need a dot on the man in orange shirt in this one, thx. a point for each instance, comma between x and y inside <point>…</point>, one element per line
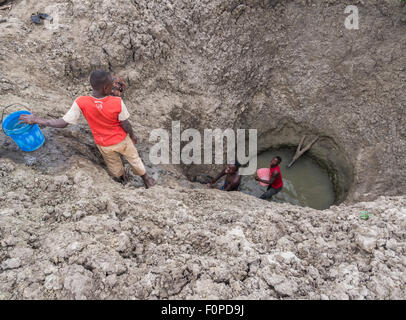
<point>107,117</point>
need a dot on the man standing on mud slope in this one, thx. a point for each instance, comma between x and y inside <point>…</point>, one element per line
<point>107,117</point>
<point>275,184</point>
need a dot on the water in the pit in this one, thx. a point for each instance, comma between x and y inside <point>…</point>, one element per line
<point>305,184</point>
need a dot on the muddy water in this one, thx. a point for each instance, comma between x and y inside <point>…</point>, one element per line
<point>305,183</point>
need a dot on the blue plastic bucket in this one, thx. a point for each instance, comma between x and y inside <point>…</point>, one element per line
<point>28,137</point>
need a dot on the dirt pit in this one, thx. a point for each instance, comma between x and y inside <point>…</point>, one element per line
<point>285,68</point>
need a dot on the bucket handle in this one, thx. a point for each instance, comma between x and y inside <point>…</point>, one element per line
<point>5,108</point>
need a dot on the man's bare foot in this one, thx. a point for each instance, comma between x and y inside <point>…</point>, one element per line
<point>148,181</point>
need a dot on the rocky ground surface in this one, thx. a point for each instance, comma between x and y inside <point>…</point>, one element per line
<point>286,68</point>
<point>77,235</point>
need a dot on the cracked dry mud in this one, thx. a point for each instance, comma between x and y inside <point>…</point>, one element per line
<point>86,238</point>
<point>286,68</point>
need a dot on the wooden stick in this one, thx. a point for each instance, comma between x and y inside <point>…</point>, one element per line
<point>300,151</point>
<point>300,144</point>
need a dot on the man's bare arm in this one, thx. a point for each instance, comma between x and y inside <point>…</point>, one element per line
<point>32,119</point>
<point>126,125</point>
<point>273,178</point>
<point>222,173</point>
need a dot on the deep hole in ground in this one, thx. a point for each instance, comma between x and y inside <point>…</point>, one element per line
<point>326,159</point>
<point>319,179</point>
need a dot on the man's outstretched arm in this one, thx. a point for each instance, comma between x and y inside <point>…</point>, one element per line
<point>71,117</point>
<point>222,173</point>
<point>32,119</point>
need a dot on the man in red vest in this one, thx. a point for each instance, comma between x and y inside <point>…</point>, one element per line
<point>107,117</point>
<point>275,184</point>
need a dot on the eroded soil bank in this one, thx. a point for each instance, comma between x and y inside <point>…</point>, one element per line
<point>285,68</point>
<point>77,235</point>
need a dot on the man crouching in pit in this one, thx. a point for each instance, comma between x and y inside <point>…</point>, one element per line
<point>233,179</point>
<point>107,117</point>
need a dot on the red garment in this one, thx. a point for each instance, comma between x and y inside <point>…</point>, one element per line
<point>278,183</point>
<point>102,117</point>
<point>119,86</point>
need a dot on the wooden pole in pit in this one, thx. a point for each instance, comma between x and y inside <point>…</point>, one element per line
<point>300,151</point>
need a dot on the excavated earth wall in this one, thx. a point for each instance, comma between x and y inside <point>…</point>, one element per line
<point>285,68</point>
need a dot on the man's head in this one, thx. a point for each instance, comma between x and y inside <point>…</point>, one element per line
<point>232,168</point>
<point>276,161</point>
<point>101,82</point>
